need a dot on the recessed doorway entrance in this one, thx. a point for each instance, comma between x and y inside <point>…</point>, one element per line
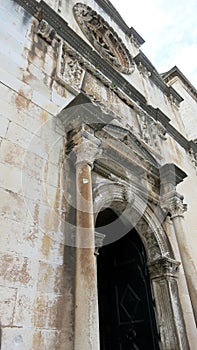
<point>126,310</point>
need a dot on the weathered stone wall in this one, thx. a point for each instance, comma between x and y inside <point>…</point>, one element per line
<point>36,268</point>
<point>187,108</point>
<point>35,287</point>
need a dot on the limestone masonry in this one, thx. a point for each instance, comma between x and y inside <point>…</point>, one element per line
<point>92,134</point>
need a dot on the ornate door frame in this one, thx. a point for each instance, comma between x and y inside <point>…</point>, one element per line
<point>162,266</point>
<point>114,169</point>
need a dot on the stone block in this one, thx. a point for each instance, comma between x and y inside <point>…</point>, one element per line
<point>19,135</point>
<point>6,94</point>
<point>17,271</point>
<point>23,308</point>
<point>17,338</point>
<point>16,156</point>
<point>18,86</point>
<point>46,339</point>
<point>32,188</point>
<point>4,122</point>
<point>44,102</point>
<point>7,305</point>
<point>51,251</point>
<point>49,64</point>
<point>45,311</point>
<point>31,142</point>
<point>47,219</point>
<point>50,278</point>
<point>20,238</point>
<point>12,154</point>
<point>12,206</point>
<point>11,178</point>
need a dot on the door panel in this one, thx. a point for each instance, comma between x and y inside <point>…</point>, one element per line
<point>126,312</point>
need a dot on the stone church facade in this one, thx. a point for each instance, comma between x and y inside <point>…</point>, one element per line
<point>98,158</point>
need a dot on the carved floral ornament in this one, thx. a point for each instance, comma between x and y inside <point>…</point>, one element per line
<point>103,38</point>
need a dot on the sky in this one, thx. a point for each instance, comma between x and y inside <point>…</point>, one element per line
<point>169,28</point>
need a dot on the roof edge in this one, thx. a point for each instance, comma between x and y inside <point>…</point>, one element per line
<point>176,72</point>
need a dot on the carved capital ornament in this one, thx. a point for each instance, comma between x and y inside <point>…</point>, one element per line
<point>86,152</point>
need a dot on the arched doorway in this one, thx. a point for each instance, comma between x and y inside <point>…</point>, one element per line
<point>126,312</point>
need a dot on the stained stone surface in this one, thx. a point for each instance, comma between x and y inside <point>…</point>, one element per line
<point>40,74</point>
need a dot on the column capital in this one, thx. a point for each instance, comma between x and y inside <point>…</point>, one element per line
<point>86,151</point>
<point>82,146</point>
<point>177,207</point>
<point>163,266</point>
<point>173,203</point>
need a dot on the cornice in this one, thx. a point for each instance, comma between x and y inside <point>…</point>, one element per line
<point>141,59</point>
<point>175,72</point>
<point>42,11</point>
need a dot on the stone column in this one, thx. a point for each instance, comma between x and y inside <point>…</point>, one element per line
<point>177,209</point>
<point>86,331</point>
<point>171,326</point>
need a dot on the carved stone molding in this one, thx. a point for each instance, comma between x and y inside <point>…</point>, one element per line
<point>152,245</point>
<point>103,38</point>
<point>129,195</point>
<point>162,267</point>
<point>46,31</point>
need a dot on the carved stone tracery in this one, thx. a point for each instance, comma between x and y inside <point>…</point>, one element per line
<point>103,38</point>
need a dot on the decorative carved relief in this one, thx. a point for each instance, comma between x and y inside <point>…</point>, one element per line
<point>103,38</point>
<point>150,130</point>
<point>152,245</point>
<point>69,70</point>
<point>73,79</point>
<point>46,31</point>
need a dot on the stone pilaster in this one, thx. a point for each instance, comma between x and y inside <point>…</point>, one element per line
<point>86,333</point>
<point>176,210</point>
<point>170,321</point>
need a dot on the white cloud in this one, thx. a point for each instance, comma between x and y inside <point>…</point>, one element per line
<point>169,29</point>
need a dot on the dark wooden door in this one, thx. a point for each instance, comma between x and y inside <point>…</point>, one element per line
<point>126,312</point>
